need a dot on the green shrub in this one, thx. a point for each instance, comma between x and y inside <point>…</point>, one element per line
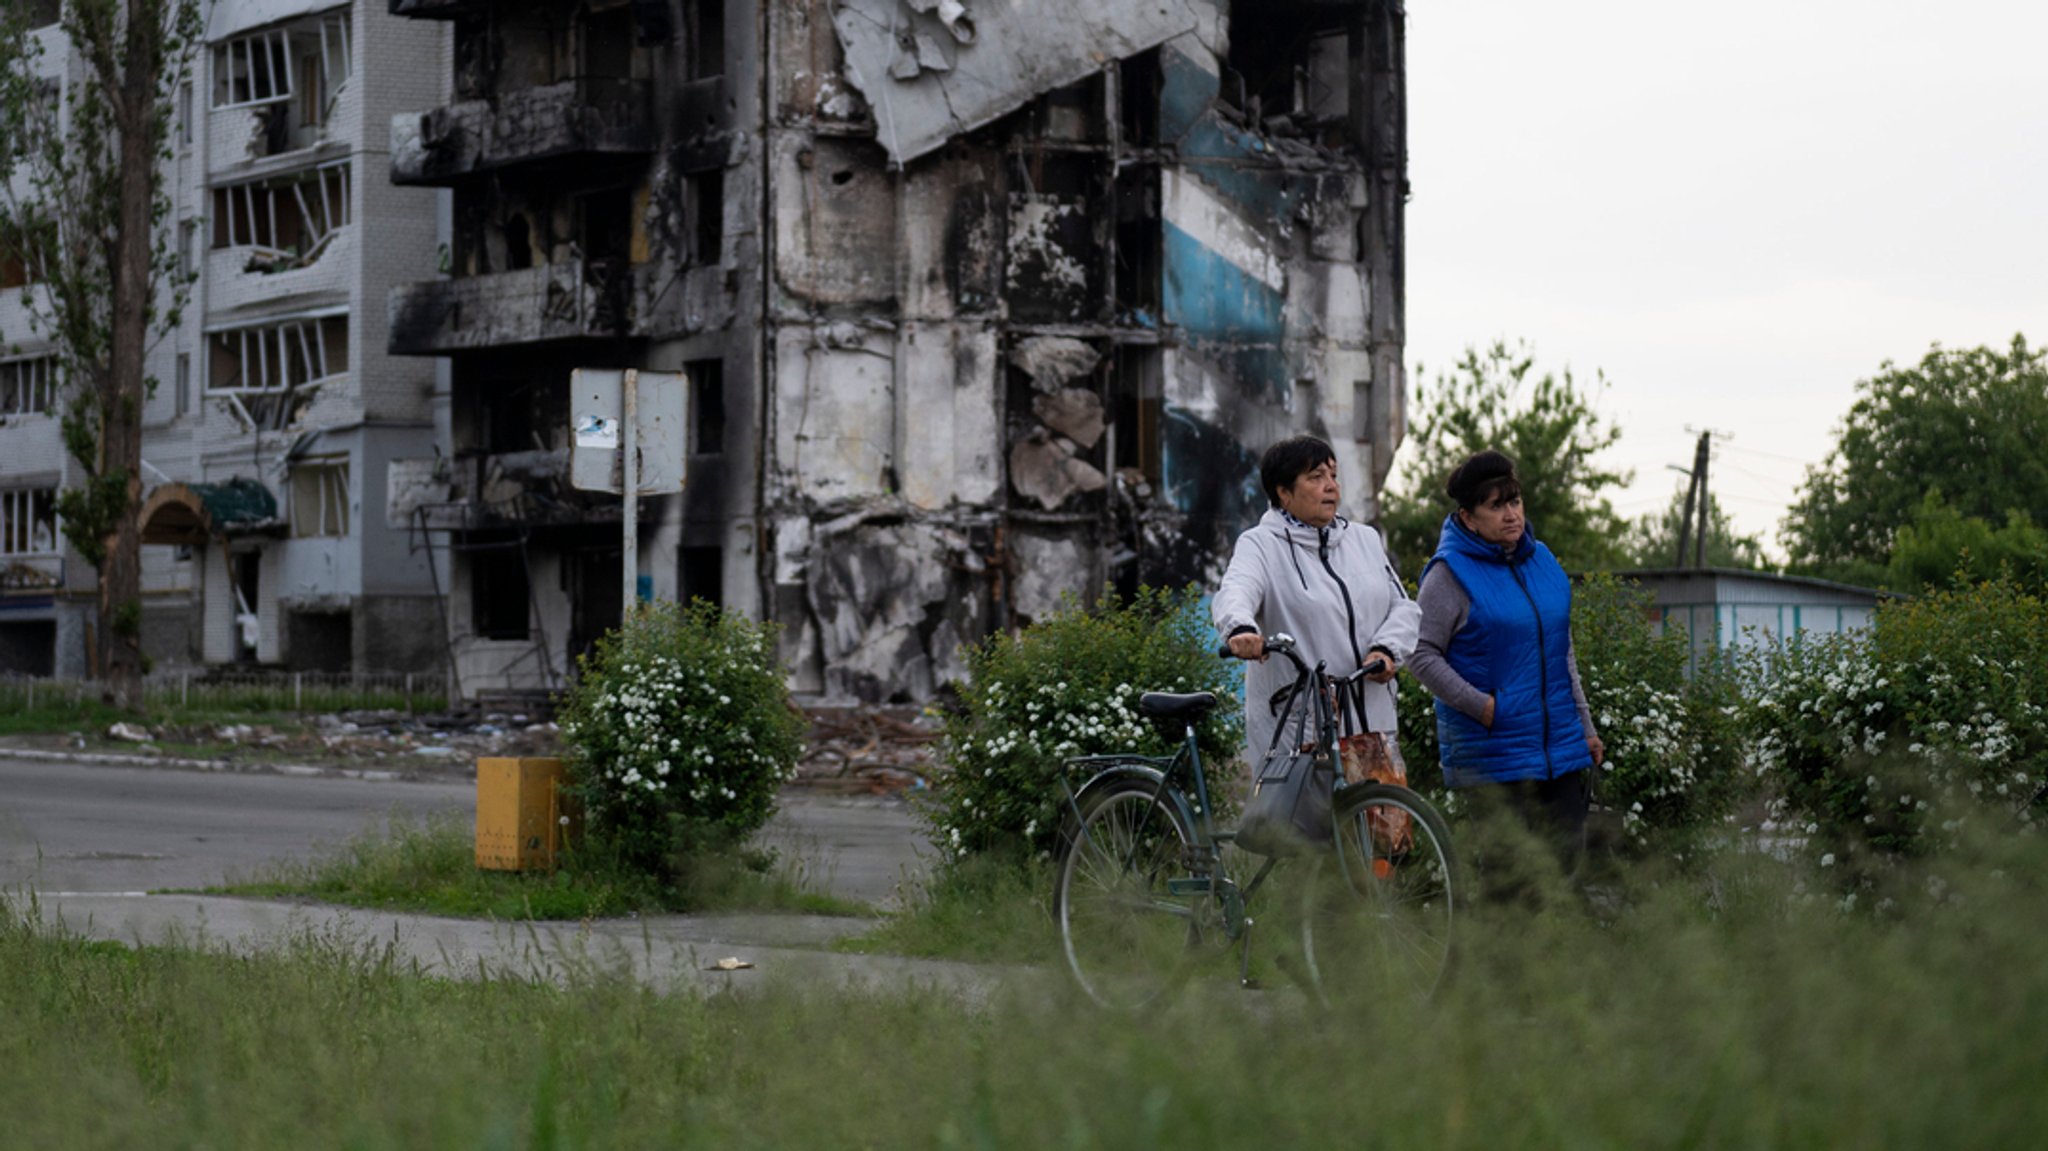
<point>679,731</point>
<point>1067,686</point>
<point>1673,757</point>
<point>1891,742</point>
<point>1673,763</point>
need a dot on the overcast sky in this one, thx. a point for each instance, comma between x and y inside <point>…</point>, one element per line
<point>1736,211</point>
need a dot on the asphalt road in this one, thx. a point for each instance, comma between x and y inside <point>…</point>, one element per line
<point>78,827</point>
<point>90,839</point>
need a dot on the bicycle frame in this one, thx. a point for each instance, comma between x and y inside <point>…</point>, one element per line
<point>1177,806</point>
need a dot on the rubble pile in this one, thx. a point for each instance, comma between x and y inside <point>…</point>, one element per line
<point>886,751</point>
<point>869,750</point>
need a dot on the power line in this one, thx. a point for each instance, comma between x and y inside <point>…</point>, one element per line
<point>1772,455</point>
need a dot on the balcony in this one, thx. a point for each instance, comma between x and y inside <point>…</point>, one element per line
<point>436,9</point>
<point>483,493</point>
<point>571,119</point>
<point>576,299</point>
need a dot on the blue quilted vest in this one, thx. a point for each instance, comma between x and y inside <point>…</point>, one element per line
<point>1514,646</point>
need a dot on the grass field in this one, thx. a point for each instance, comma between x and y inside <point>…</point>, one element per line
<point>429,866</point>
<point>1723,1008</point>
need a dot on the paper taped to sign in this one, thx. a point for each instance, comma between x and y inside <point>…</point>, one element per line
<point>597,433</point>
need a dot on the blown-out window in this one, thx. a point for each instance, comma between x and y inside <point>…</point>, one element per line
<point>28,522</point>
<point>28,386</point>
<point>320,498</point>
<point>311,57</point>
<point>274,357</point>
<point>296,213</point>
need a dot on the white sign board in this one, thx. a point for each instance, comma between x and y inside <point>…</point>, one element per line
<point>660,430</point>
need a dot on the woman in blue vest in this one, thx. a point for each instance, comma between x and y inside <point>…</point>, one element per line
<point>1495,648</point>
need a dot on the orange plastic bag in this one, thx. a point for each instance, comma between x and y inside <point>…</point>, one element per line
<point>1363,756</point>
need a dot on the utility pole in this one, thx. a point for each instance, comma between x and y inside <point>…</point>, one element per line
<point>1696,496</point>
<point>1692,491</point>
<point>1699,539</point>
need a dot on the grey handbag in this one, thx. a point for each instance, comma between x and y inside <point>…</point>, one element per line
<point>1289,812</point>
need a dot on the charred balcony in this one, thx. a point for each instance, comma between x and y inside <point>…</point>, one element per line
<point>487,492</point>
<point>569,121</point>
<point>435,9</point>
<point>567,300</point>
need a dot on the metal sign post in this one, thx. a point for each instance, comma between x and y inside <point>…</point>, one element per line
<point>629,487</point>
<point>628,437</point>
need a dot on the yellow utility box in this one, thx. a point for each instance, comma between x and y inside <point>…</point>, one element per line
<point>519,813</point>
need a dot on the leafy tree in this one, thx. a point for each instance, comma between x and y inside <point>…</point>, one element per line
<point>1547,425</point>
<point>1941,548</point>
<point>1653,539</point>
<point>1972,422</point>
<point>84,208</point>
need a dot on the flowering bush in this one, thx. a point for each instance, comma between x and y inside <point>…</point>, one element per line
<point>680,732</point>
<point>1067,686</point>
<point>1671,742</point>
<point>1893,741</point>
<point>1673,746</point>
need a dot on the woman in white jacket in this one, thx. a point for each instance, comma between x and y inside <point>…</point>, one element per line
<point>1311,573</point>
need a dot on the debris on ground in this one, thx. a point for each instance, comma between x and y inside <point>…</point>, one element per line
<point>853,750</point>
<point>869,750</point>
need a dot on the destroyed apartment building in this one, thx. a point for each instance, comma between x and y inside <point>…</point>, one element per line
<point>276,407</point>
<point>980,304</point>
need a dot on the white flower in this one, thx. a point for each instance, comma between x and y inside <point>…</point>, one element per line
<point>1828,860</point>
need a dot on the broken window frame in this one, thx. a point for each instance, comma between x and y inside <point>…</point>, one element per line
<point>320,497</point>
<point>276,54</point>
<point>235,60</point>
<point>28,522</point>
<point>238,221</point>
<point>273,347</point>
<point>30,386</point>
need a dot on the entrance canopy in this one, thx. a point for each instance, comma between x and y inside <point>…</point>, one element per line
<point>203,513</point>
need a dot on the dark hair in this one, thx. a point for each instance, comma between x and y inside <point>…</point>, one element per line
<point>1288,461</point>
<point>1481,477</point>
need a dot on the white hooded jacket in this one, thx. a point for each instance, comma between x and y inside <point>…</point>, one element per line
<point>1334,590</point>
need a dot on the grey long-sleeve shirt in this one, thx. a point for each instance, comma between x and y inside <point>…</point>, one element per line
<point>1445,608</point>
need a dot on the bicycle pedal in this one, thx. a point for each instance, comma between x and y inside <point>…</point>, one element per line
<point>1191,885</point>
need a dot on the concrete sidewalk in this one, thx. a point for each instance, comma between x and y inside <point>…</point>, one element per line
<point>669,952</point>
<point>86,836</point>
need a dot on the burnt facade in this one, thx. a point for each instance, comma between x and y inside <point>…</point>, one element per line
<point>980,307</point>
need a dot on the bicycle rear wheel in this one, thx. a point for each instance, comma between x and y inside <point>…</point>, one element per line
<point>1125,931</point>
<point>1378,909</point>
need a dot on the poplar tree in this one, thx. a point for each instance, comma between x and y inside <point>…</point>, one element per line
<point>86,124</point>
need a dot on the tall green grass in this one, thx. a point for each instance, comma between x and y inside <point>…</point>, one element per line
<point>429,865</point>
<point>1722,1008</point>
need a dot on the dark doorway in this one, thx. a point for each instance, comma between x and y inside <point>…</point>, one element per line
<point>29,647</point>
<point>500,596</point>
<point>701,571</point>
<point>595,598</point>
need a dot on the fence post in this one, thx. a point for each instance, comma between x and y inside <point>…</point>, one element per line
<point>297,692</point>
<point>408,693</point>
<point>31,693</point>
<point>184,689</point>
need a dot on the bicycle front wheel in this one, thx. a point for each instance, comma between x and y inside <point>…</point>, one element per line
<point>1378,909</point>
<point>1125,928</point>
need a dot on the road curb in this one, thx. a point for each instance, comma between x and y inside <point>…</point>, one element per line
<point>298,770</point>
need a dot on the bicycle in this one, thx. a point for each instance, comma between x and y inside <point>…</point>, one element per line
<point>1142,889</point>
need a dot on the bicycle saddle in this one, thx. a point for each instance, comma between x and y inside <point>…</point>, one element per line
<point>1169,705</point>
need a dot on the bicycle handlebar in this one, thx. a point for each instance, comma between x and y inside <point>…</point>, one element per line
<point>1284,644</point>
